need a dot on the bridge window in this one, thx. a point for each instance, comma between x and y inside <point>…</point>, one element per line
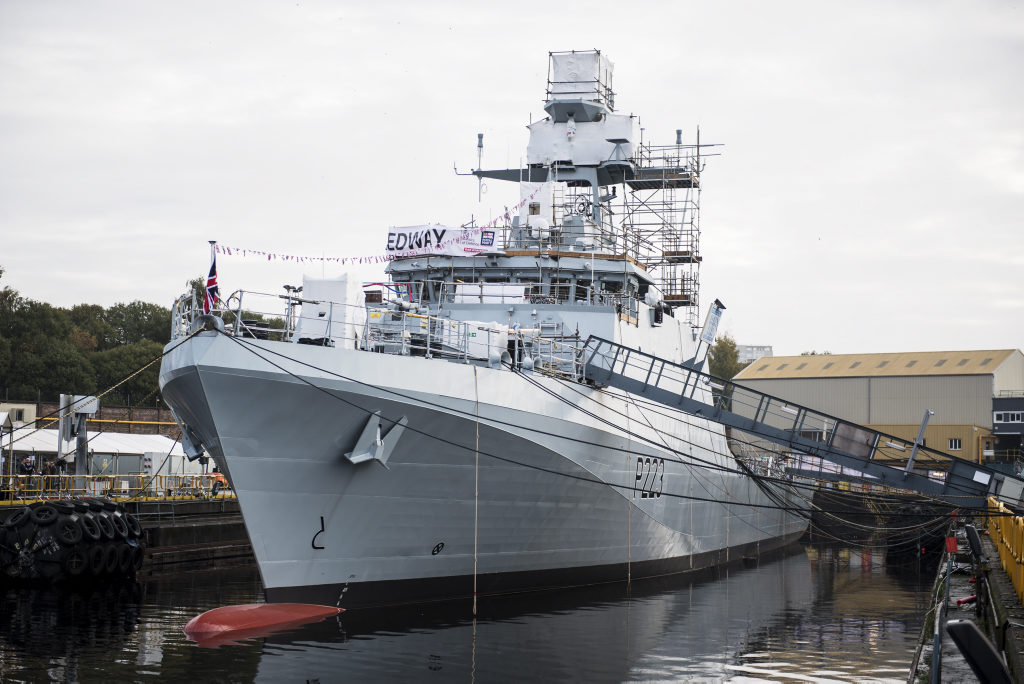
<point>955,444</point>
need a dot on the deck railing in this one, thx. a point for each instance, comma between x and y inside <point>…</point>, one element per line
<point>1007,533</point>
<point>16,490</point>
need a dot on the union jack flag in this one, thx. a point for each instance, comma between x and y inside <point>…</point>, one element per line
<point>212,290</point>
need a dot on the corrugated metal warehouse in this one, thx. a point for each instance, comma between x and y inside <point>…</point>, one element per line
<point>891,392</point>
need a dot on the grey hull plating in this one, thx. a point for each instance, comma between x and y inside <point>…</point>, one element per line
<point>400,592</point>
<point>547,495</point>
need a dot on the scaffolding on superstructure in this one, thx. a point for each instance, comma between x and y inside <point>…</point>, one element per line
<point>662,221</point>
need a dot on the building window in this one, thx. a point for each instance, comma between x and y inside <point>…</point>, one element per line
<point>955,444</point>
<point>855,364</point>
<point>882,365</point>
<point>940,362</point>
<point>985,362</point>
<point>911,363</point>
<point>828,365</point>
<point>1008,417</point>
<point>762,367</point>
<point>781,366</point>
<point>963,362</point>
<point>802,366</point>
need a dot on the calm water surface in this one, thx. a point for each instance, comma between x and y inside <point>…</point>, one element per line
<point>822,614</point>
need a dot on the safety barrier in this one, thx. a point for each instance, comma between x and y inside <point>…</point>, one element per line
<point>1007,533</point>
<point>19,489</point>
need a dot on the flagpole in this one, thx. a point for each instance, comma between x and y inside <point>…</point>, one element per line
<point>210,301</point>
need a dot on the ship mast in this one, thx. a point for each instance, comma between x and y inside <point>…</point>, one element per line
<point>611,192</point>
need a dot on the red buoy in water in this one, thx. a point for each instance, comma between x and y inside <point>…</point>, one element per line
<point>229,624</point>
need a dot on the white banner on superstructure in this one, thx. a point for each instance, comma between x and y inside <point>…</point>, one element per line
<point>415,240</point>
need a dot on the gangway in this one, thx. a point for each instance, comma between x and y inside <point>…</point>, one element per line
<point>871,455</point>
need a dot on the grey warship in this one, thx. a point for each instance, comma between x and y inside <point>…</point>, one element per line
<point>436,437</point>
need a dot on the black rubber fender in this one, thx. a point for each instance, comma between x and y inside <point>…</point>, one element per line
<point>110,558</point>
<point>120,526</point>
<point>134,527</point>
<point>138,556</point>
<point>90,528</point>
<point>106,527</point>
<point>44,515</point>
<point>68,530</point>
<point>96,557</point>
<point>76,563</point>
<point>19,518</point>
<point>124,559</point>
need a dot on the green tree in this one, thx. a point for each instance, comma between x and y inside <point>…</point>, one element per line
<point>45,366</point>
<point>90,322</point>
<point>137,321</point>
<point>114,365</point>
<point>724,358</point>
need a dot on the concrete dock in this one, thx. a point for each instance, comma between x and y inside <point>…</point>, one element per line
<point>193,535</point>
<point>996,610</point>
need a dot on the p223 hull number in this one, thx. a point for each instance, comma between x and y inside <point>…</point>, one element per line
<point>650,477</point>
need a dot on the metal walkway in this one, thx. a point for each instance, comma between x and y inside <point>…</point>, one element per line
<point>863,454</point>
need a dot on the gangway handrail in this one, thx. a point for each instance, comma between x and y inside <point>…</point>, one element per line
<point>866,451</point>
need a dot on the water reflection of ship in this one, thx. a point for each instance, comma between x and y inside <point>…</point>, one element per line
<point>599,633</point>
<point>872,606</point>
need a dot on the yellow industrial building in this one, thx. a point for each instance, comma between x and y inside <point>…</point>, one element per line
<point>977,397</point>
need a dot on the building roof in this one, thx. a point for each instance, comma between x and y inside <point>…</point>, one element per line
<point>981,362</point>
<point>45,442</point>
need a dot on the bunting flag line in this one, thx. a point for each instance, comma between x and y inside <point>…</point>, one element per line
<point>464,236</point>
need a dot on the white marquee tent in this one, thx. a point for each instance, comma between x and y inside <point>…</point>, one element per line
<point>111,452</point>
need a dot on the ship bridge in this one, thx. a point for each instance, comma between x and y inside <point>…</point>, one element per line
<point>862,454</point>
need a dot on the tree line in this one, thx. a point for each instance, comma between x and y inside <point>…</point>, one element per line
<point>47,350</point>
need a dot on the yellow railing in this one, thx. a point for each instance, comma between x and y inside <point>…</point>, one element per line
<point>20,489</point>
<point>1007,533</point>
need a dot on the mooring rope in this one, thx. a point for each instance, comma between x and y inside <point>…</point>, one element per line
<point>476,484</point>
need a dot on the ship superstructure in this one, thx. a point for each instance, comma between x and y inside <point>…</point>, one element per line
<point>441,438</point>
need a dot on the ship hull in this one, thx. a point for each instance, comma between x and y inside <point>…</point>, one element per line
<point>517,480</point>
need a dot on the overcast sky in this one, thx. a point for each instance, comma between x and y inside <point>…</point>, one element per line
<point>869,195</point>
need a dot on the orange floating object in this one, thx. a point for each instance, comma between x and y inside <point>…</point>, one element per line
<point>230,624</point>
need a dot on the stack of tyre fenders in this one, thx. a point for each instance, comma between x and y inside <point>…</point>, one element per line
<point>70,540</point>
